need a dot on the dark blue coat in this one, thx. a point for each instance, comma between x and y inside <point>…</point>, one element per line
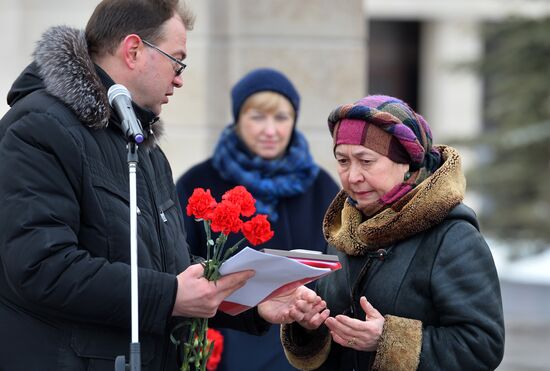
<point>299,226</point>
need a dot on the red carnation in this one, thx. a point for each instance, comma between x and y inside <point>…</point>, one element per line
<point>201,204</point>
<point>240,196</point>
<point>216,338</point>
<point>257,230</point>
<point>225,218</point>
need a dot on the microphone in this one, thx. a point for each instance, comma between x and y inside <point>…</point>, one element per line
<point>121,101</point>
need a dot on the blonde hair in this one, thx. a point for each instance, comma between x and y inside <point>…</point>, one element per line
<point>265,101</point>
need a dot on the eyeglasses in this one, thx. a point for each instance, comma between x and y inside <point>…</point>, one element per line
<point>181,65</point>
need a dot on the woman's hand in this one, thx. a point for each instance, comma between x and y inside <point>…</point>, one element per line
<point>353,333</point>
<point>311,311</point>
<point>302,305</point>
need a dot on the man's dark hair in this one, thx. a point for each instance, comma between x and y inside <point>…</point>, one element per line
<point>112,20</point>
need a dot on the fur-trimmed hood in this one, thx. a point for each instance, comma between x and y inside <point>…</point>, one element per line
<point>425,206</point>
<point>63,66</point>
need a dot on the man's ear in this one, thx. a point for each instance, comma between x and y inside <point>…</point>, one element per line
<point>131,49</point>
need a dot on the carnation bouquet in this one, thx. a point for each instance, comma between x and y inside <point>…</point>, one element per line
<point>223,217</point>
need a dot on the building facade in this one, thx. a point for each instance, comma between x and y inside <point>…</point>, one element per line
<point>334,52</point>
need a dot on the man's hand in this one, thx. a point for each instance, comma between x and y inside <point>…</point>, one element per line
<point>198,297</point>
<point>302,305</point>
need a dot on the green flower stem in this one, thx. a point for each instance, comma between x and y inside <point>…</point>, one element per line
<point>231,250</point>
<point>206,224</point>
<point>220,242</point>
<point>203,346</point>
<point>198,348</point>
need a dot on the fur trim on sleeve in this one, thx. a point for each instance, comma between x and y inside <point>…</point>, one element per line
<point>305,350</point>
<point>399,346</point>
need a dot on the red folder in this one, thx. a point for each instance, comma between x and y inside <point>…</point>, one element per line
<point>309,258</point>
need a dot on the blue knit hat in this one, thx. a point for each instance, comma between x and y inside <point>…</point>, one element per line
<point>263,79</point>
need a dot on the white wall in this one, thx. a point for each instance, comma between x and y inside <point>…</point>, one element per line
<point>455,9</point>
<point>21,24</point>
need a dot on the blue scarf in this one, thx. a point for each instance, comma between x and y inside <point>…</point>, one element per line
<point>267,180</point>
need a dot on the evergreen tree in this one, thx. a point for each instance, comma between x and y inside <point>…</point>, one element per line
<point>513,173</point>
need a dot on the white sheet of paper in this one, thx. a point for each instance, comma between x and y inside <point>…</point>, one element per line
<point>272,272</point>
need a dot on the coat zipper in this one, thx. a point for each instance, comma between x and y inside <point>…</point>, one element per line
<point>355,287</point>
<point>157,222</point>
<point>161,245</point>
<point>380,254</point>
<point>353,293</point>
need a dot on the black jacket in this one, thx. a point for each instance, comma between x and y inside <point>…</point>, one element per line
<point>434,281</point>
<point>64,236</point>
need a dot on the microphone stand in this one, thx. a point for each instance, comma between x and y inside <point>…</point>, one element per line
<point>135,349</point>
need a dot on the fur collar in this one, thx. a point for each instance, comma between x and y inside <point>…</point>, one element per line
<point>69,74</point>
<point>425,206</point>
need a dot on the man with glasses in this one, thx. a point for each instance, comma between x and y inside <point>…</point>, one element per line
<point>64,235</point>
<point>179,67</point>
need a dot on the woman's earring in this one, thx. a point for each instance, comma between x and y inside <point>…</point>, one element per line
<point>407,175</point>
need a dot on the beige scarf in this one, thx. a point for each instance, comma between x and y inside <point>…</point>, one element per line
<point>348,230</point>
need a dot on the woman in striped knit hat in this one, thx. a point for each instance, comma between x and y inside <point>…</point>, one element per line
<point>418,289</point>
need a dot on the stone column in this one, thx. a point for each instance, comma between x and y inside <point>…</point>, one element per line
<point>451,93</point>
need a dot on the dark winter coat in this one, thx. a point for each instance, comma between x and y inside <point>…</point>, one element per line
<point>298,227</point>
<point>64,235</point>
<point>435,282</point>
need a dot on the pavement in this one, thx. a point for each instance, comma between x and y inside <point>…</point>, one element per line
<point>527,320</point>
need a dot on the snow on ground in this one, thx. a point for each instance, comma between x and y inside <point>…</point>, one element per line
<point>534,268</point>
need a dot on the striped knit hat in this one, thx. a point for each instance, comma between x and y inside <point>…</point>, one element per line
<point>388,126</point>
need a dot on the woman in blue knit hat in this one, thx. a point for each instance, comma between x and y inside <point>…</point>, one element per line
<point>262,150</point>
<point>418,289</point>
